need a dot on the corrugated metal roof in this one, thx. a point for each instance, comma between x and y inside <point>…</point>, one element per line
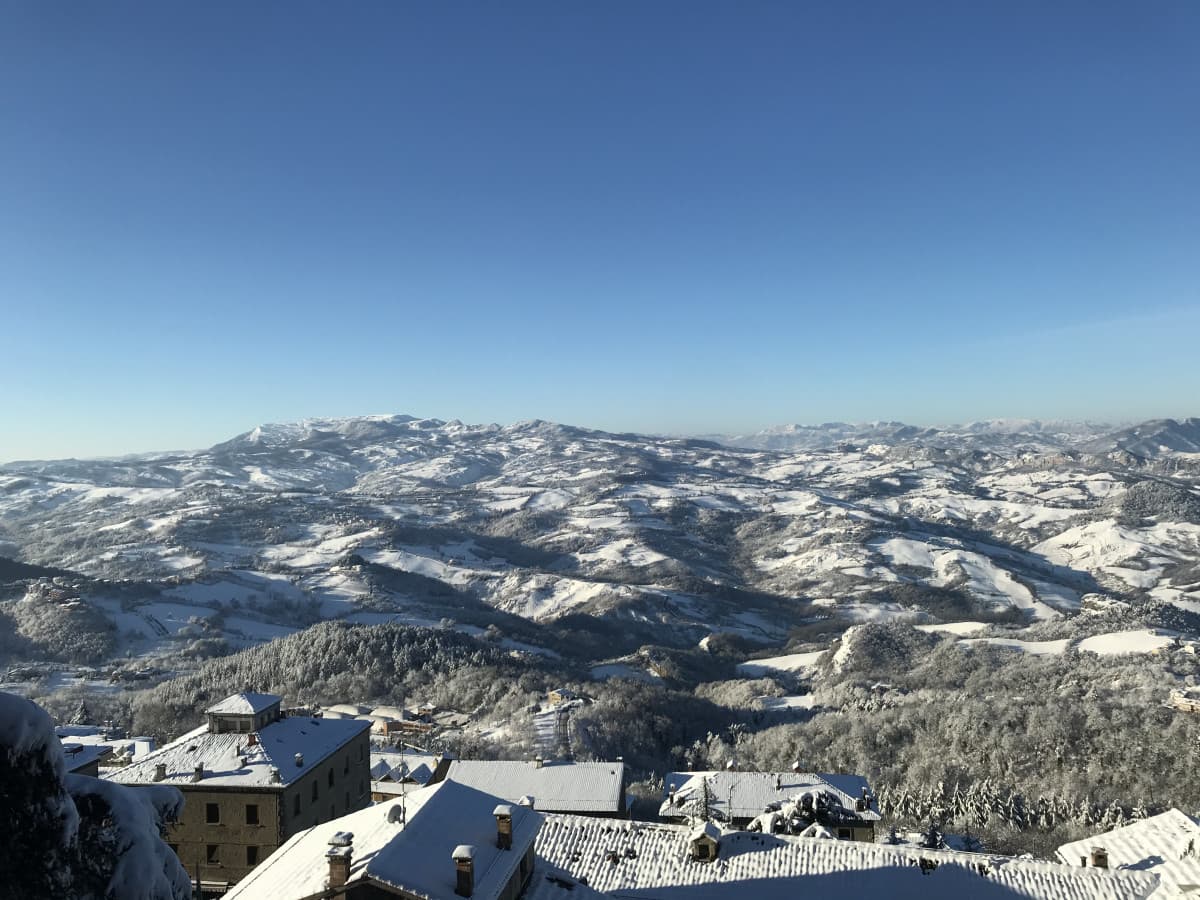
<point>650,862</point>
<point>555,787</point>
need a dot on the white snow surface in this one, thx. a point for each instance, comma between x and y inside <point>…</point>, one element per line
<point>404,844</point>
<point>775,867</point>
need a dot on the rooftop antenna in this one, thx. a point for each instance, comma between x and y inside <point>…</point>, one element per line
<point>403,793</point>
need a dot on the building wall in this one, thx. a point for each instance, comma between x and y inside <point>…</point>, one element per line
<point>342,785</point>
<point>193,835</point>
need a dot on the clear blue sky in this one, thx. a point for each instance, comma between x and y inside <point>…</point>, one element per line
<point>658,216</point>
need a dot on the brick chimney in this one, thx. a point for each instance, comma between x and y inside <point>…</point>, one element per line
<point>160,772</point>
<point>252,739</point>
<point>198,774</point>
<point>503,814</point>
<point>339,854</point>
<point>464,868</point>
<point>1099,858</point>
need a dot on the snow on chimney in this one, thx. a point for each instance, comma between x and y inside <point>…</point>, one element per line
<point>464,868</point>
<point>537,761</point>
<point>1099,858</point>
<point>300,759</point>
<point>198,774</point>
<point>276,778</point>
<point>160,772</point>
<point>339,854</point>
<point>503,814</point>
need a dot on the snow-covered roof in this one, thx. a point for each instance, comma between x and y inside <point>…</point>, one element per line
<point>277,746</point>
<point>244,704</point>
<point>1167,845</point>
<point>419,767</point>
<point>412,853</point>
<point>745,795</point>
<point>555,786</point>
<point>80,756</point>
<point>652,861</point>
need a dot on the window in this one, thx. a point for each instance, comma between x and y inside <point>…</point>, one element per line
<point>347,799</point>
<point>845,834</point>
<point>314,791</point>
<point>332,813</point>
<point>346,766</point>
<point>701,851</point>
<point>251,813</point>
<point>296,805</point>
<point>252,856</point>
<point>331,776</point>
<point>212,813</point>
<point>362,787</point>
<point>360,752</point>
<point>213,854</point>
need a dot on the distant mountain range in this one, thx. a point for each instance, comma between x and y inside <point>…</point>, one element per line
<point>583,543</point>
<point>1148,440</point>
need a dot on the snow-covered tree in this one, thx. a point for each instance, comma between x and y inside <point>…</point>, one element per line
<point>75,837</point>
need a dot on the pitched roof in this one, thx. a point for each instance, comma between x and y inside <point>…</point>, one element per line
<point>746,795</point>
<point>411,853</point>
<point>277,746</point>
<point>647,862</point>
<point>244,704</point>
<point>417,767</point>
<point>79,756</point>
<point>555,786</point>
<point>1167,845</point>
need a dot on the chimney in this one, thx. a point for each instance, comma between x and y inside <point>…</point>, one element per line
<point>300,759</point>
<point>796,766</point>
<point>276,778</point>
<point>464,867</point>
<point>503,814</point>
<point>198,775</point>
<point>252,739</point>
<point>339,854</point>
<point>863,803</point>
<point>537,761</point>
<point>1099,858</point>
<point>160,772</point>
<point>527,800</point>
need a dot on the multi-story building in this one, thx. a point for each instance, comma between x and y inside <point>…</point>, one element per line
<point>252,777</point>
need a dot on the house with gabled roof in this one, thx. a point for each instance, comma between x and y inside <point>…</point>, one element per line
<point>1166,845</point>
<point>774,802</point>
<point>251,777</point>
<point>443,842</point>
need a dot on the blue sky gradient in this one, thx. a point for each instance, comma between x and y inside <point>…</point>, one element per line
<point>668,216</point>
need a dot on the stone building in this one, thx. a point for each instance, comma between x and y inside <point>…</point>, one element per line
<point>252,777</point>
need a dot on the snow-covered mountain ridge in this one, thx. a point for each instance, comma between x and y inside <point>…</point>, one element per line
<point>667,540</point>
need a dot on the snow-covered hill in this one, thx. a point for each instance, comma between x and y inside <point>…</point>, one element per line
<point>649,539</point>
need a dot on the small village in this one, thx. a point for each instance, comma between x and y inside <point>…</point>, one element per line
<point>298,803</point>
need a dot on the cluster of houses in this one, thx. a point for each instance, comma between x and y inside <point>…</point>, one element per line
<point>398,722</point>
<point>292,805</point>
